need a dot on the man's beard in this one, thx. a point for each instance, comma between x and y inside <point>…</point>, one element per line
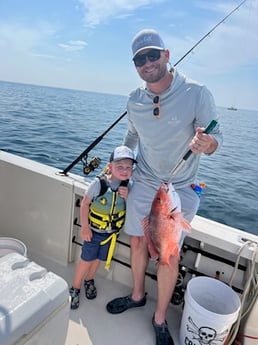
<point>155,77</point>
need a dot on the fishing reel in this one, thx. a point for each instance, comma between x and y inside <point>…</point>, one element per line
<point>92,165</point>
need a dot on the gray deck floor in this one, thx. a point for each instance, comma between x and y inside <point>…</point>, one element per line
<point>132,327</point>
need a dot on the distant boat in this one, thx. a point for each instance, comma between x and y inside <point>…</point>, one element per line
<point>232,108</point>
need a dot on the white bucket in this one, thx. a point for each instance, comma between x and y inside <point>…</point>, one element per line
<point>211,308</point>
<point>10,245</point>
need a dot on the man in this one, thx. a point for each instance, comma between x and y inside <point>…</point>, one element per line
<point>166,117</point>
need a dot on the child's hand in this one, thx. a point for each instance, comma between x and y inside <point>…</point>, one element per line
<point>123,192</point>
<point>86,233</point>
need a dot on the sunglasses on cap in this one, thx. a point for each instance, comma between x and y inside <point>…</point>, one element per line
<point>152,55</point>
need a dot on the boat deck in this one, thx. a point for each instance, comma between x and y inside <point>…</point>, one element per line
<point>91,324</point>
<point>131,327</point>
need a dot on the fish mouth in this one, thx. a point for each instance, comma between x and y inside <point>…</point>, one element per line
<point>165,187</point>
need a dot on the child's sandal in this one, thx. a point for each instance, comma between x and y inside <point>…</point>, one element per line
<point>90,289</point>
<point>75,297</point>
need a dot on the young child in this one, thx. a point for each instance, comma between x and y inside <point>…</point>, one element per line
<point>102,214</point>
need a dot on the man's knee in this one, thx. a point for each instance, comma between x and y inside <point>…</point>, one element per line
<point>138,242</point>
<point>174,261</point>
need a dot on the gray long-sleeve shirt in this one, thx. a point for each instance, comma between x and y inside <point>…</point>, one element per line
<point>162,142</point>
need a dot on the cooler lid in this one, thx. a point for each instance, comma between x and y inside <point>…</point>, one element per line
<point>28,296</point>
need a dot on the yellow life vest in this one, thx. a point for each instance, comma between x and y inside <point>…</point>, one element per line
<point>107,211</point>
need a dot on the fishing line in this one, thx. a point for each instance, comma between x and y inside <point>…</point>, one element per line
<point>83,156</point>
<point>208,33</point>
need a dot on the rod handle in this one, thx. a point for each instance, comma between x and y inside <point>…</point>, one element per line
<point>207,130</point>
<point>210,126</point>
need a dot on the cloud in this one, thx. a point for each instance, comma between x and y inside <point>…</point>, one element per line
<point>45,56</point>
<point>96,12</point>
<point>16,38</point>
<point>73,45</point>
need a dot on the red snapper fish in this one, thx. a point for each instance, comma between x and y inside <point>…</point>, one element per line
<point>163,227</point>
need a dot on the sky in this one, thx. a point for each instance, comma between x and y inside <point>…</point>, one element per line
<point>86,44</point>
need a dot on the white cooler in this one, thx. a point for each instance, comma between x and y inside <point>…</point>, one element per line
<point>34,303</point>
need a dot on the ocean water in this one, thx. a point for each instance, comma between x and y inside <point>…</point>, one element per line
<point>54,126</point>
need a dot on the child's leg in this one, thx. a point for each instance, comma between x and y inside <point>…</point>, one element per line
<point>81,269</point>
<point>93,267</point>
<point>90,288</point>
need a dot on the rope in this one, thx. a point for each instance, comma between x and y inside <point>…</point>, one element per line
<point>250,290</point>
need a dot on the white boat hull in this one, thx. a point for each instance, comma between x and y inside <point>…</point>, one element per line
<point>40,207</point>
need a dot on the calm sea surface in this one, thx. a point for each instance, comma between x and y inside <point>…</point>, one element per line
<point>54,126</point>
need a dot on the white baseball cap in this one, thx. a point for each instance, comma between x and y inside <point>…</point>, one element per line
<point>122,152</point>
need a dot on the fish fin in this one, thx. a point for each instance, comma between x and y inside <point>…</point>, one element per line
<point>177,252</point>
<point>185,225</point>
<point>152,250</point>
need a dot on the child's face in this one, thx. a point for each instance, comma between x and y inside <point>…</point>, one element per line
<point>122,170</point>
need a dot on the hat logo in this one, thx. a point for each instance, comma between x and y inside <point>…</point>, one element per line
<point>145,39</point>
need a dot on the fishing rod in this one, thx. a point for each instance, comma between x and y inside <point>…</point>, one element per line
<point>208,33</point>
<point>95,162</point>
<point>207,130</point>
<point>89,148</point>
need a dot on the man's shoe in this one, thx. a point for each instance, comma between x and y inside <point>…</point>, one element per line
<point>163,336</point>
<point>121,304</point>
